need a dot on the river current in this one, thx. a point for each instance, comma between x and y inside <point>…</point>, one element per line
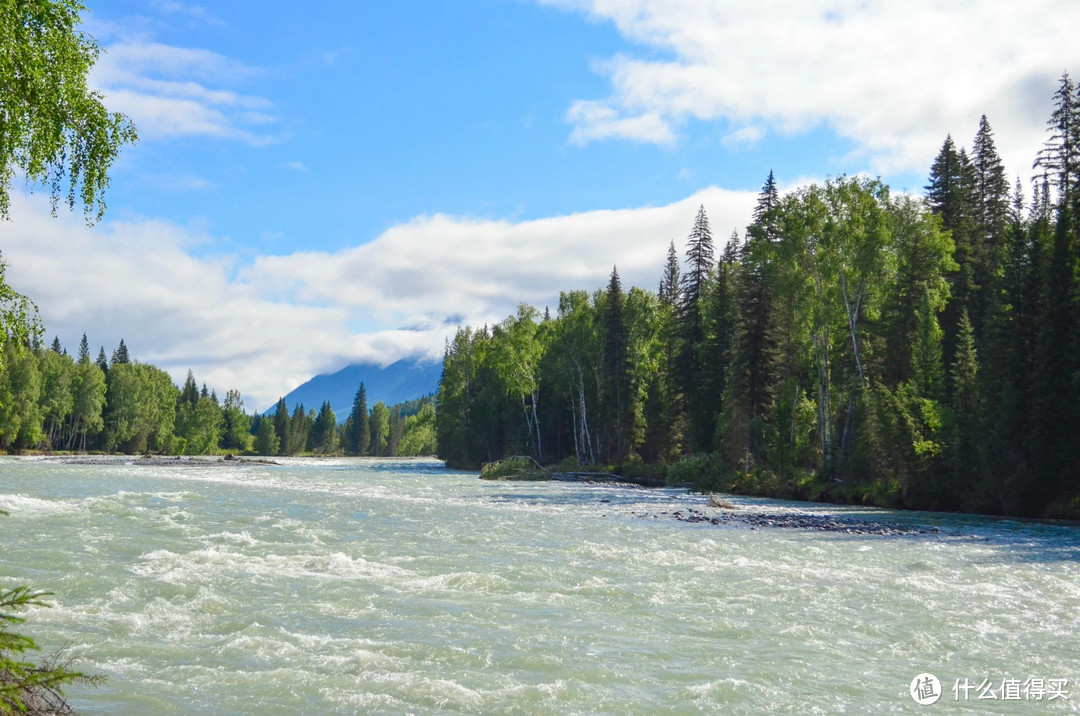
<point>397,586</point>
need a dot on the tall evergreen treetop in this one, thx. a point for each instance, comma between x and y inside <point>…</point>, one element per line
<point>699,259</point>
<point>84,350</point>
<point>764,225</point>
<point>120,355</point>
<point>102,361</point>
<point>669,282</point>
<point>1060,157</point>
<point>359,431</point>
<point>945,192</point>
<point>991,184</point>
<point>189,394</point>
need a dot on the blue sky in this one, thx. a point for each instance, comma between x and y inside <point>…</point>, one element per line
<point>322,183</point>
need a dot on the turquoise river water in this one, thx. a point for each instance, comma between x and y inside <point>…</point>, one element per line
<point>397,586</point>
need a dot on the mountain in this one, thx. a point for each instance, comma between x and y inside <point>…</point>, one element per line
<point>407,379</point>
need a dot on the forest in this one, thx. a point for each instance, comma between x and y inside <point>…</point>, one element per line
<point>51,401</point>
<point>855,344</point>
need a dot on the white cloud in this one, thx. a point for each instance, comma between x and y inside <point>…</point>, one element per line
<point>175,92</point>
<point>596,120</point>
<point>296,166</point>
<point>267,325</point>
<point>892,77</point>
<point>743,138</point>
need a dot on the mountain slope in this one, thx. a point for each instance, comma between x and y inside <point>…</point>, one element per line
<point>406,379</point>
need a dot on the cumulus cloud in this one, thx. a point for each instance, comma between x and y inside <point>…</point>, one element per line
<point>176,92</point>
<point>266,325</point>
<point>892,77</point>
<point>438,266</point>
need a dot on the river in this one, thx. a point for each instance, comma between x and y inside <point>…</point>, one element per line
<point>394,586</point>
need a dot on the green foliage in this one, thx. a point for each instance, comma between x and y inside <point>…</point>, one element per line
<point>55,130</point>
<point>266,440</point>
<point>236,424</point>
<point>20,389</point>
<point>518,467</point>
<point>419,437</point>
<point>858,346</point>
<point>703,472</point>
<point>324,433</point>
<point>380,429</point>
<point>141,409</point>
<point>357,430</point>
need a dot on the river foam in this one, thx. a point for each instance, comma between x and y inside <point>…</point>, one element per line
<point>343,586</point>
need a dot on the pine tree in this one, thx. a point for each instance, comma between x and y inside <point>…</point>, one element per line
<point>966,400</point>
<point>1060,157</point>
<point>266,439</point>
<point>282,424</point>
<point>120,355</point>
<point>619,408</point>
<point>189,394</point>
<point>688,369</point>
<point>950,197</point>
<point>754,346</point>
<point>1054,399</point>
<point>102,361</point>
<point>721,313</point>
<point>324,431</point>
<point>84,350</point>
<point>991,209</point>
<point>926,366</point>
<point>699,261</point>
<point>358,436</point>
<point>669,282</point>
<point>56,348</point>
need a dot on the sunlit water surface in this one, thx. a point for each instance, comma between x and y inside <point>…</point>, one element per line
<point>345,586</point>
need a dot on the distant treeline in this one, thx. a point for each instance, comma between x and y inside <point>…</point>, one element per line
<point>52,401</point>
<point>854,345</point>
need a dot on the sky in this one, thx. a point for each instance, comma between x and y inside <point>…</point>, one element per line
<point>320,184</point>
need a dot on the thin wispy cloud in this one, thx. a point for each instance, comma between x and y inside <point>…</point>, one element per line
<point>197,14</point>
<point>178,92</point>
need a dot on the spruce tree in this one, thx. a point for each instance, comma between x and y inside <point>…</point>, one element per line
<point>619,408</point>
<point>950,197</point>
<point>56,348</point>
<point>926,366</point>
<point>687,373</point>
<point>358,426</point>
<point>754,345</point>
<point>281,426</point>
<point>1060,157</point>
<point>120,355</point>
<point>189,394</point>
<point>699,261</point>
<point>991,210</point>
<point>324,430</point>
<point>266,439</point>
<point>966,400</point>
<point>84,350</point>
<point>102,361</point>
<point>669,282</point>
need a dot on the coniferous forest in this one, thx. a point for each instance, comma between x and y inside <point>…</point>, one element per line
<point>855,344</point>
